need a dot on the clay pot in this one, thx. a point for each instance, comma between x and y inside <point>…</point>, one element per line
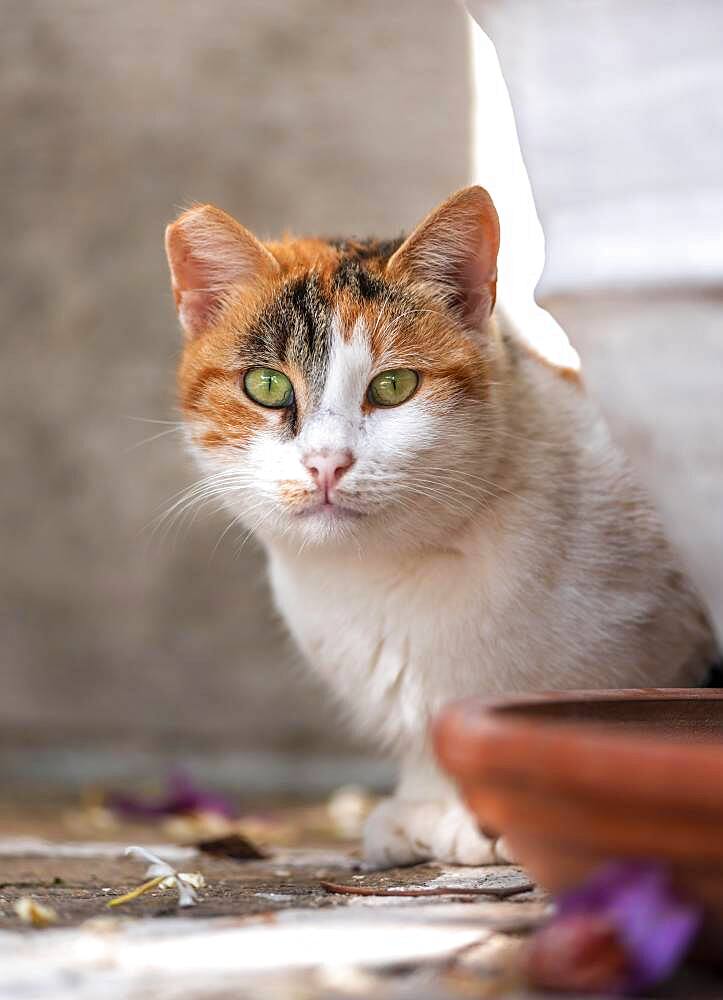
<point>575,779</point>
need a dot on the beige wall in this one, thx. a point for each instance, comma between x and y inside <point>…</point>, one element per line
<point>334,117</point>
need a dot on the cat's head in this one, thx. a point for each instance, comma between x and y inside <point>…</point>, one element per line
<point>337,389</point>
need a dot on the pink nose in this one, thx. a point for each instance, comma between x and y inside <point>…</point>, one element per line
<point>327,468</point>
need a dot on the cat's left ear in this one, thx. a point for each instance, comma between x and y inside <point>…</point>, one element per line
<point>454,250</point>
<point>210,254</point>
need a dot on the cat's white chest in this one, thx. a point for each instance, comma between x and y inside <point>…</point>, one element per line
<point>379,636</point>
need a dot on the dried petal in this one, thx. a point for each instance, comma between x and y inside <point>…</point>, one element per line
<point>187,895</point>
<point>625,909</point>
<point>183,797</point>
<point>157,865</point>
<point>164,877</point>
<point>194,879</point>
<point>32,912</point>
<point>655,927</point>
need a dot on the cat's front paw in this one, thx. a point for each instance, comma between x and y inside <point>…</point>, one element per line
<point>399,832</point>
<point>458,840</point>
<point>405,831</point>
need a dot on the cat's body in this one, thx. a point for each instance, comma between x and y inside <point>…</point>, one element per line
<point>480,535</point>
<point>562,580</point>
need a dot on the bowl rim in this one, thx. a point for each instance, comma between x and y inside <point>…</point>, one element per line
<point>476,743</point>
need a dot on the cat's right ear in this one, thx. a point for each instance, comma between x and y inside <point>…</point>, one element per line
<point>454,252</point>
<point>209,254</point>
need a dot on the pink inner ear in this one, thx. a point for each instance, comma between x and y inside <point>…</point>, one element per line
<point>208,254</point>
<point>191,278</point>
<point>187,270</point>
<point>195,310</point>
<point>196,301</point>
<point>476,280</point>
<point>455,249</point>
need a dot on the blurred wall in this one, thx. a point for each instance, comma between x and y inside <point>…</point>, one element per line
<point>311,115</point>
<point>654,361</point>
<point>617,111</point>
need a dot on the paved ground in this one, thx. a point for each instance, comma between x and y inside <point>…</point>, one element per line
<point>261,927</point>
<point>269,927</point>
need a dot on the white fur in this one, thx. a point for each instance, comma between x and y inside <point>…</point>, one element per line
<point>490,556</point>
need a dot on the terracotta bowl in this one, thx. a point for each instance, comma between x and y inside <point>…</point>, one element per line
<point>575,779</point>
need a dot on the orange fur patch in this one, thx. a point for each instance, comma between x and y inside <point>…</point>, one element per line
<point>407,327</point>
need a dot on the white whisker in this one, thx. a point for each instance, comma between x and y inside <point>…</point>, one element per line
<point>154,437</point>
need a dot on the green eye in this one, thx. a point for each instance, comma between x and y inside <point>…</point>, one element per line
<point>393,387</point>
<point>268,387</point>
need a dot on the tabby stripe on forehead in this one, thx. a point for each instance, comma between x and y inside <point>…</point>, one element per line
<point>307,340</point>
<point>357,280</point>
<point>294,329</point>
<point>368,249</point>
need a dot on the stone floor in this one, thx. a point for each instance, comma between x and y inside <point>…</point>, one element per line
<point>306,921</point>
<point>267,926</point>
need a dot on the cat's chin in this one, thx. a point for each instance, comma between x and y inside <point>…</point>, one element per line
<point>322,524</point>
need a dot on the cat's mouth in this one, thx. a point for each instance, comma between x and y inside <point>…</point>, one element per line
<point>328,509</point>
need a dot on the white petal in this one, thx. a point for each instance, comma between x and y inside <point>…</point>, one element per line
<point>186,893</point>
<point>157,866</point>
<point>195,879</point>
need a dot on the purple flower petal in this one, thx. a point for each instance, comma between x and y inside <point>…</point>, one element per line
<point>655,928</point>
<point>183,796</point>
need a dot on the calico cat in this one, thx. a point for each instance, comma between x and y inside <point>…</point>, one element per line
<point>444,513</point>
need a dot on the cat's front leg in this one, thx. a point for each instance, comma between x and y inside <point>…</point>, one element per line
<point>425,820</point>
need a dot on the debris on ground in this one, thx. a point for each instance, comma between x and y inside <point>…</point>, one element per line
<point>233,845</point>
<point>162,876</point>
<point>622,931</point>
<point>269,927</point>
<point>34,913</point>
<point>347,809</point>
<point>183,797</point>
<point>497,892</point>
